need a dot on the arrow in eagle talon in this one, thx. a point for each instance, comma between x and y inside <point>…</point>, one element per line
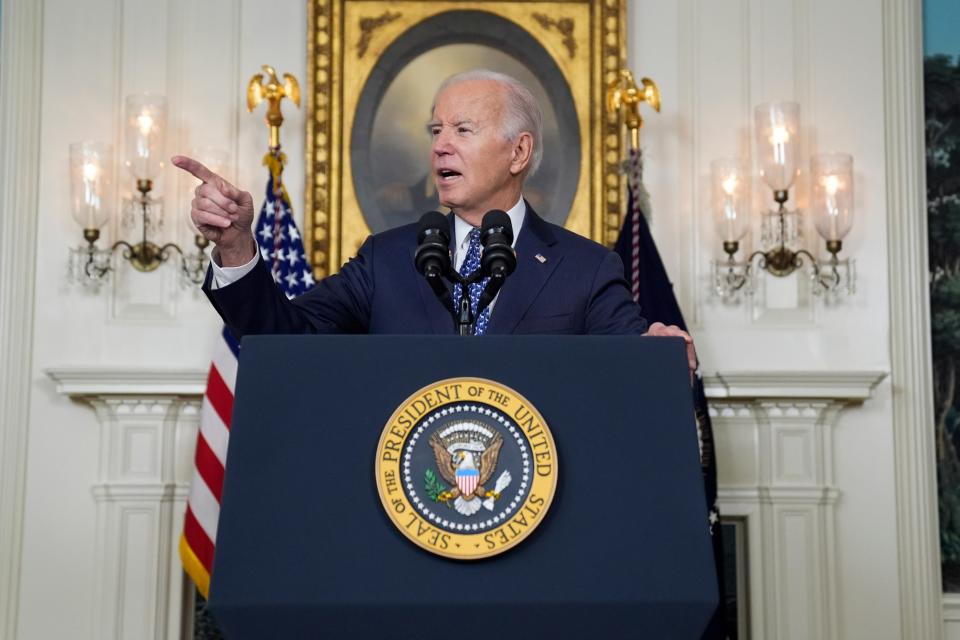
<point>502,483</point>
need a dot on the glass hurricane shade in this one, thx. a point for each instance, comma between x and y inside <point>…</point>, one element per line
<point>831,175</point>
<point>777,130</point>
<point>91,192</point>
<point>144,132</point>
<point>214,159</point>
<point>731,191</point>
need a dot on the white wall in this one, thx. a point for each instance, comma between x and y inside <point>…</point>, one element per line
<point>95,52</point>
<point>713,59</point>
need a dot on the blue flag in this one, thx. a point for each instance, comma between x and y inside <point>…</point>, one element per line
<point>653,291</point>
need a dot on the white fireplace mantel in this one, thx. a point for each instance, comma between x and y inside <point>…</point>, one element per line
<point>840,385</point>
<point>848,386</point>
<point>774,443</point>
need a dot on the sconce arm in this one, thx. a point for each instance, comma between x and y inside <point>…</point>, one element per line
<point>192,267</point>
<point>829,281</point>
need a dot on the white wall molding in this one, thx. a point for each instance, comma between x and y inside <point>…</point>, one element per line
<point>148,425</point>
<point>749,385</point>
<point>774,444</point>
<point>78,381</point>
<point>20,108</point>
<point>951,615</point>
<point>913,422</point>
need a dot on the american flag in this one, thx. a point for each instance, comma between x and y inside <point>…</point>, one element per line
<point>281,249</point>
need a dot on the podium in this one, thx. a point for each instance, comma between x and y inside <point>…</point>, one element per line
<point>306,549</point>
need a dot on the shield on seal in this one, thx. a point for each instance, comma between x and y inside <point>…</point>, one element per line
<point>467,480</point>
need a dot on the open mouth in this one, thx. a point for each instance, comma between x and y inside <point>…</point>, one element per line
<point>447,175</point>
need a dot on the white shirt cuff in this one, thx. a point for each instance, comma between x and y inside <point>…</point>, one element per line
<point>225,276</point>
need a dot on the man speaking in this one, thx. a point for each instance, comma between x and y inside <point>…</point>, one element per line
<point>486,130</point>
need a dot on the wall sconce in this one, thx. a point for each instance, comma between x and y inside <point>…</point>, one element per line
<point>777,128</point>
<point>91,167</point>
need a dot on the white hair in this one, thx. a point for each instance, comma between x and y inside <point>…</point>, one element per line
<point>522,111</point>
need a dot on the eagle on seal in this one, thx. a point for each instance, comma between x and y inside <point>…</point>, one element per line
<point>467,474</point>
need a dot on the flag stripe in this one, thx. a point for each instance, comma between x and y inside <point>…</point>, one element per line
<point>220,396</point>
<point>214,431</point>
<point>198,540</point>
<point>226,364</point>
<point>204,506</point>
<point>209,467</point>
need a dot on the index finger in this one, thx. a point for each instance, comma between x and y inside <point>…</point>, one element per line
<point>194,167</point>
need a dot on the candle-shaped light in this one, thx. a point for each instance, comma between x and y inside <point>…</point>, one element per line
<point>832,201</point>
<point>144,135</point>
<point>779,139</point>
<point>777,127</point>
<point>91,193</point>
<point>730,192</point>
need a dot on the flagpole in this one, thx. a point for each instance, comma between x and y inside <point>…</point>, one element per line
<point>624,98</point>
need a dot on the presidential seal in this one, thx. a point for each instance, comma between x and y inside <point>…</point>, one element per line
<point>466,468</point>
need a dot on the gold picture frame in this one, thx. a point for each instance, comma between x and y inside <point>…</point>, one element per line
<point>576,47</point>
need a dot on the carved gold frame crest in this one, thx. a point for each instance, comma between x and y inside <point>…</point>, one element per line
<point>346,38</point>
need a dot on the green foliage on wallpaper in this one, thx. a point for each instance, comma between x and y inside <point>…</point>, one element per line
<point>942,97</point>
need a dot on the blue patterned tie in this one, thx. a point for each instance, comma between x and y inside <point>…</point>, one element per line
<point>470,264</point>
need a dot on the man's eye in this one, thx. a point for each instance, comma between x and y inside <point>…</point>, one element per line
<point>463,130</point>
<point>434,131</point>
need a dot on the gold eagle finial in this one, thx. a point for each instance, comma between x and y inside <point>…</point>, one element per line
<point>625,97</point>
<point>273,91</point>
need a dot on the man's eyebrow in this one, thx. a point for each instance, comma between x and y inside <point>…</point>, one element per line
<point>436,123</point>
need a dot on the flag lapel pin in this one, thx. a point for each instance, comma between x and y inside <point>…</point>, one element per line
<point>540,257</point>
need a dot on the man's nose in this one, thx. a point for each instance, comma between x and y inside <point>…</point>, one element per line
<point>441,143</point>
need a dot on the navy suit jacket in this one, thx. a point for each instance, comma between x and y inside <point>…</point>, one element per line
<point>563,283</point>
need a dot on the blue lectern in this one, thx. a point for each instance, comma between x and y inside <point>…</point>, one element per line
<point>306,550</point>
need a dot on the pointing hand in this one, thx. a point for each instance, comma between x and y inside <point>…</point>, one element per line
<point>222,213</point>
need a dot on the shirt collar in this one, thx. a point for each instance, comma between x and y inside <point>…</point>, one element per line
<point>517,214</point>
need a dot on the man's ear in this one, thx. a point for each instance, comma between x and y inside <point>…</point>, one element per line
<point>522,154</point>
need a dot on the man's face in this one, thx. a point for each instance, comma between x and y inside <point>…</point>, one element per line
<point>470,158</point>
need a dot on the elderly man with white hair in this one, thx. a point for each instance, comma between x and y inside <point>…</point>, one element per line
<point>486,130</point>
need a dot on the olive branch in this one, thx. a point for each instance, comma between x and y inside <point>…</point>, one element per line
<point>433,486</point>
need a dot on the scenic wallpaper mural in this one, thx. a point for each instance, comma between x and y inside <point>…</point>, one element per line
<point>942,112</point>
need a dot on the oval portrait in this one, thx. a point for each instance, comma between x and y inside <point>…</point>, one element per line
<point>390,143</point>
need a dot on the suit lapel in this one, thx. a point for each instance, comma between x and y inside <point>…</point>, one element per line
<point>537,257</point>
<point>441,320</point>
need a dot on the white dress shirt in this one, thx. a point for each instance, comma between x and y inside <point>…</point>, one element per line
<point>224,276</point>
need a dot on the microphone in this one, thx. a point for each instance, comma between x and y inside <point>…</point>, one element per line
<point>499,259</point>
<point>432,258</point>
<point>496,235</point>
